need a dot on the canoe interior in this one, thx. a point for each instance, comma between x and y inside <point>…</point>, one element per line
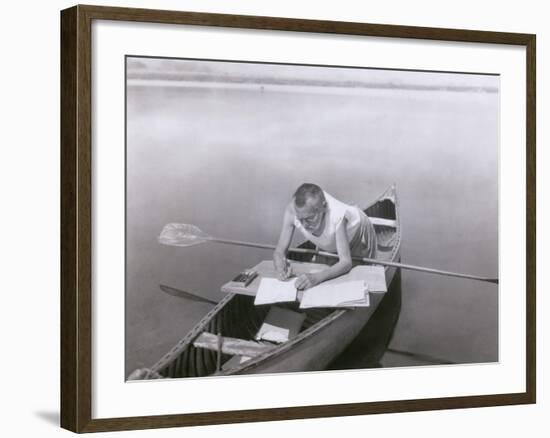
<point>237,317</point>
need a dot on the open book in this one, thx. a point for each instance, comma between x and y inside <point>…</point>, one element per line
<point>349,290</point>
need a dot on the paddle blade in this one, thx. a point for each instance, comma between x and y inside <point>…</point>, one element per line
<point>182,235</point>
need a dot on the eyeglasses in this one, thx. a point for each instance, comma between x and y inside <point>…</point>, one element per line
<point>313,218</point>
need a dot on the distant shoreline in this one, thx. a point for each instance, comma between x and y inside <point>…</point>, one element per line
<point>179,80</point>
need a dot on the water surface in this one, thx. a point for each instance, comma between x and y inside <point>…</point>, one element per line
<point>227,159</point>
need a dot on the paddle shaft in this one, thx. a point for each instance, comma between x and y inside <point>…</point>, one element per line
<point>361,259</point>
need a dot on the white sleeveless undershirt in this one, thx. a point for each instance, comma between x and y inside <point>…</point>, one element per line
<point>336,211</point>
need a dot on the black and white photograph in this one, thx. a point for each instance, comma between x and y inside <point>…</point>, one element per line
<point>292,218</point>
<point>275,219</point>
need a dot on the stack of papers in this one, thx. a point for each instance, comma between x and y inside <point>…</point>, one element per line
<point>337,294</point>
<point>375,276</point>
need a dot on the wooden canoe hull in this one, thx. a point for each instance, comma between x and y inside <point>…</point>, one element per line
<point>326,332</point>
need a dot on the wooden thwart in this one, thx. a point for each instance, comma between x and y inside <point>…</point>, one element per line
<point>231,346</point>
<point>385,222</point>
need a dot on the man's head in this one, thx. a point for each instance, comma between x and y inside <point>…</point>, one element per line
<point>310,206</point>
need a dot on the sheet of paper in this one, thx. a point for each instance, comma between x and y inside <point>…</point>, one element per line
<point>273,333</point>
<point>335,294</point>
<point>375,276</point>
<point>272,290</point>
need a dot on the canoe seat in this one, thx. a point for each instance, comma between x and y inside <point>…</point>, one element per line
<point>232,346</point>
<point>386,235</point>
<point>383,222</point>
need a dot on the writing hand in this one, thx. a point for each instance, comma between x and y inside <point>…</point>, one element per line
<point>284,272</point>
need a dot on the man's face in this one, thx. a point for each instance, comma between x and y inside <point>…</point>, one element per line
<point>311,214</point>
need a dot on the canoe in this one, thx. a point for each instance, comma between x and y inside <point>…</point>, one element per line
<point>324,335</point>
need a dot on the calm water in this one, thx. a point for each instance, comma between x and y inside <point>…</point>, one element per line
<point>228,160</point>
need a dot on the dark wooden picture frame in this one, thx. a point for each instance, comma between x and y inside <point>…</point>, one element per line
<point>76,217</point>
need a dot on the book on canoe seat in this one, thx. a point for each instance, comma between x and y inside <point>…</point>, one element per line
<point>348,290</point>
<point>374,276</point>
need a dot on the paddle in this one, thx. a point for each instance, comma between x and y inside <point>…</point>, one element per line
<point>189,235</point>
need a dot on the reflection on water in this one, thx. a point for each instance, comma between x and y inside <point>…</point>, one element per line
<point>228,160</point>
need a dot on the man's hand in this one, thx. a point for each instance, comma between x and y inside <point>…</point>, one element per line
<point>283,268</point>
<point>306,281</point>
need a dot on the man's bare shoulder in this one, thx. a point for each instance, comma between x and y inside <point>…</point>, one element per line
<point>290,214</point>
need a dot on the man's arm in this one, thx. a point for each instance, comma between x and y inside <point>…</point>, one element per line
<point>342,267</point>
<point>282,266</point>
